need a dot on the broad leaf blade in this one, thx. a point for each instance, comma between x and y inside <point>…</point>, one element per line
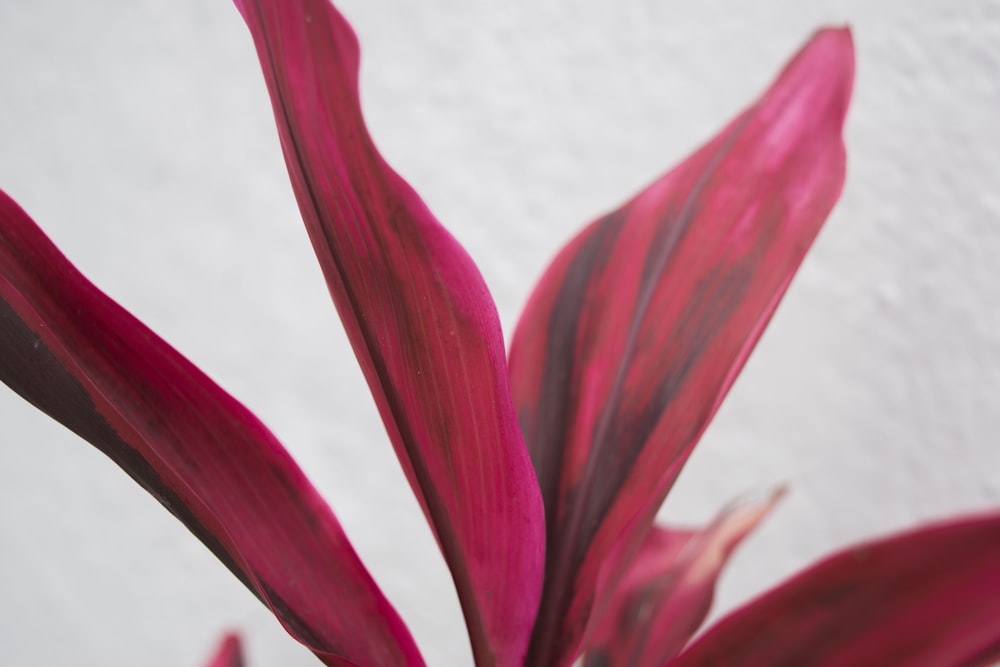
<point>641,324</point>
<point>78,356</point>
<point>421,322</point>
<point>926,598</point>
<point>668,589</point>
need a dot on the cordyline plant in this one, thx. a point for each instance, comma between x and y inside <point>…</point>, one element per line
<point>540,475</point>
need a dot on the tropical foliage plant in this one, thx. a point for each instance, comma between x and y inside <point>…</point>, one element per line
<point>540,473</point>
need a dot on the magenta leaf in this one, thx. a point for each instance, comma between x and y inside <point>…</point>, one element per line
<point>641,324</point>
<point>927,598</point>
<point>229,653</point>
<point>421,322</point>
<point>82,359</point>
<point>668,589</point>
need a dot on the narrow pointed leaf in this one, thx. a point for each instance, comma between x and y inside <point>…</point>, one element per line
<point>641,324</point>
<point>82,359</point>
<point>421,322</point>
<point>926,598</point>
<point>668,589</point>
<point>228,654</point>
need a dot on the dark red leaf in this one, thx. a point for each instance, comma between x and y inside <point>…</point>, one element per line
<point>926,598</point>
<point>668,589</point>
<point>82,359</point>
<point>640,326</point>
<point>421,322</point>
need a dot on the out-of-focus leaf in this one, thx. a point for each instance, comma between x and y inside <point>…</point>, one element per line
<point>229,653</point>
<point>926,598</point>
<point>668,589</point>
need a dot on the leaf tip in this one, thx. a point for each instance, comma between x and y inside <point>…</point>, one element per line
<point>829,57</point>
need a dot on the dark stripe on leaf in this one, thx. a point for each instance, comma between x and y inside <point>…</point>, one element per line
<point>546,433</point>
<point>30,368</point>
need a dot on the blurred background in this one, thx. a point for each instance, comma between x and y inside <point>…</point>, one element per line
<point>139,136</point>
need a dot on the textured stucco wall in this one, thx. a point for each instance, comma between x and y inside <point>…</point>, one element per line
<point>139,135</point>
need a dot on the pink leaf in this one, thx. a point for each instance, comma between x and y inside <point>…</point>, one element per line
<point>926,598</point>
<point>640,326</point>
<point>82,359</point>
<point>229,653</point>
<point>668,589</point>
<point>421,322</point>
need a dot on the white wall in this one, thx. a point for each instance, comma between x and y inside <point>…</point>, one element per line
<point>139,135</point>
